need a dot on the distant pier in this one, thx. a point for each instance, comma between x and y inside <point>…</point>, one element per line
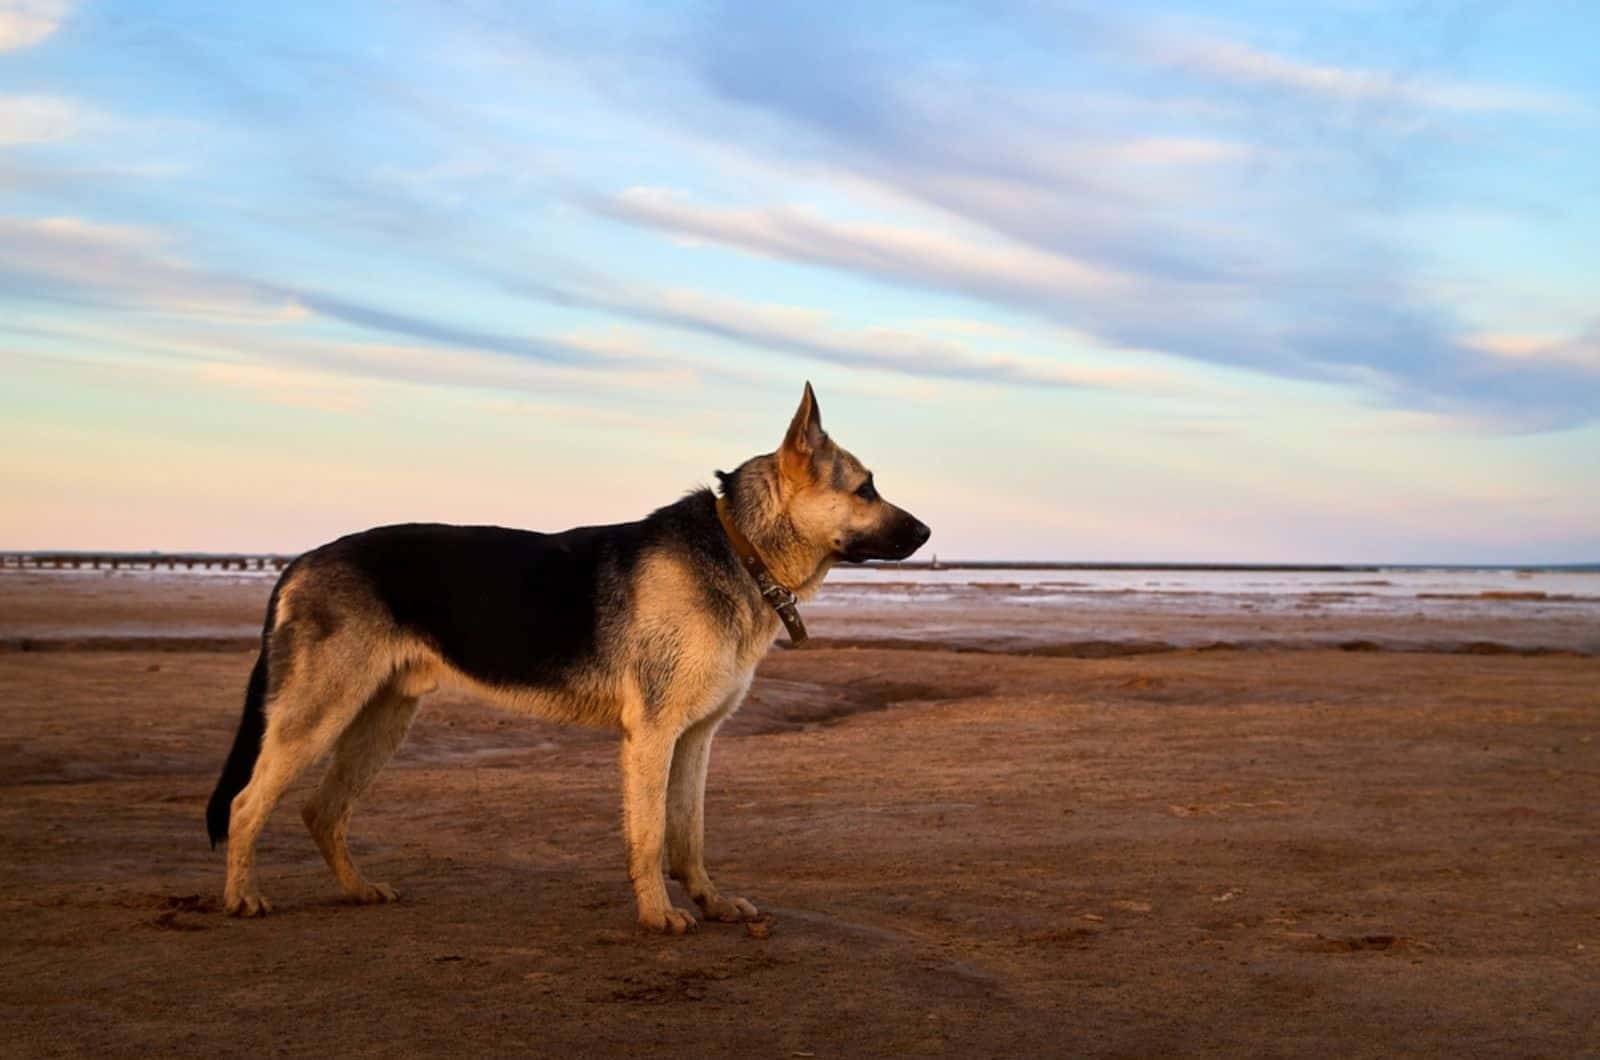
<point>173,561</point>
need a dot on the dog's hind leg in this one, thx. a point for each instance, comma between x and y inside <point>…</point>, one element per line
<point>318,699</point>
<point>361,750</point>
<point>686,822</point>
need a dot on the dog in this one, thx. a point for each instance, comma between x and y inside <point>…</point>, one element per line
<point>653,628</point>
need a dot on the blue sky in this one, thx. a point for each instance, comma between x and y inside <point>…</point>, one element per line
<point>1236,281</point>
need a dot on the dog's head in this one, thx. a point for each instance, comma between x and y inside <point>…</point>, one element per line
<point>831,500</point>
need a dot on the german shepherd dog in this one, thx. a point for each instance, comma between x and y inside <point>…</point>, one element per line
<point>653,628</point>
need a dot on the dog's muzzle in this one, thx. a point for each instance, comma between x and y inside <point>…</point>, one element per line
<point>900,541</point>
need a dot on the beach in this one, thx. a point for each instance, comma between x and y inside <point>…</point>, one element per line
<point>986,813</point>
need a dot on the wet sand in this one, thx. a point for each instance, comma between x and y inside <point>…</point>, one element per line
<point>1278,852</point>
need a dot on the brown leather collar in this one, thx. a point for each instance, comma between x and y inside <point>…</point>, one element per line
<point>778,597</point>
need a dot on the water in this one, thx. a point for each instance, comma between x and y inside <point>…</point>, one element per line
<point>1390,582</point>
<point>1431,595</point>
<point>1371,588</point>
<point>1441,608</point>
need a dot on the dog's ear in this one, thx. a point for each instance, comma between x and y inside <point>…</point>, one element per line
<point>804,440</point>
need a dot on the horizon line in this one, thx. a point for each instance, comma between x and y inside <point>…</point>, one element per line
<point>77,556</point>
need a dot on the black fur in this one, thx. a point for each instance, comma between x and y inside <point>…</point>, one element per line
<point>895,539</point>
<point>246,748</point>
<point>516,607</point>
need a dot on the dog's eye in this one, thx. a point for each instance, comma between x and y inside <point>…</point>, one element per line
<point>867,491</point>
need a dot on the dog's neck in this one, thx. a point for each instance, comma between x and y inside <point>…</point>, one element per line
<point>754,496</point>
<point>778,597</point>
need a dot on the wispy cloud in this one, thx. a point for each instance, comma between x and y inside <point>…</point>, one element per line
<point>71,258</point>
<point>38,119</point>
<point>1580,351</point>
<point>337,370</point>
<point>427,329</point>
<point>1364,335</point>
<point>925,352</point>
<point>1120,309</point>
<point>24,23</point>
<point>137,267</point>
<point>1268,260</point>
<point>891,253</point>
<point>1240,63</point>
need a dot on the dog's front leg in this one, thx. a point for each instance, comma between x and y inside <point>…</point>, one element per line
<point>686,823</point>
<point>646,767</point>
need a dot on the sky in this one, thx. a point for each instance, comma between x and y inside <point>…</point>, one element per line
<point>1237,281</point>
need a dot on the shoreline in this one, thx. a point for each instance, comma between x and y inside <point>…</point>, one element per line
<point>46,611</point>
<point>1073,649</point>
<point>272,562</point>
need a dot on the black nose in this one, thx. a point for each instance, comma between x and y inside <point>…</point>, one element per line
<point>920,534</point>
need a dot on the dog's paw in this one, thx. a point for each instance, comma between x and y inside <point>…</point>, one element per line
<point>668,921</point>
<point>727,910</point>
<point>374,894</point>
<point>247,905</point>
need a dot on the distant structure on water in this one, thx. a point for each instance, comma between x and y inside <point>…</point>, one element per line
<point>143,561</point>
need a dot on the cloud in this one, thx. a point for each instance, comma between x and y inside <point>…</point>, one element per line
<point>415,327</point>
<point>94,158</point>
<point>1361,333</point>
<point>1119,308</point>
<point>70,259</point>
<point>1580,351</point>
<point>1044,166</point>
<point>447,366</point>
<point>24,23</point>
<point>336,370</point>
<point>35,119</point>
<point>888,252</point>
<point>922,353</point>
<point>1170,151</point>
<point>1037,166</point>
<point>1262,255</point>
<point>1242,64</point>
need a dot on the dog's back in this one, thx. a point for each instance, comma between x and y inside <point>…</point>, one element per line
<point>503,606</point>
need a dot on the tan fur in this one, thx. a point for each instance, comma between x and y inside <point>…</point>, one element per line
<point>343,677</point>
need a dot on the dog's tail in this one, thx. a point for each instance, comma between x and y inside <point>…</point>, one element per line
<point>247,741</point>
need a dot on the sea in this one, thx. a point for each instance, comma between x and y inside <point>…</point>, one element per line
<point>1379,587</point>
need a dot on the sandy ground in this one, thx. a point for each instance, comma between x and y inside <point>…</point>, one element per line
<point>1266,853</point>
